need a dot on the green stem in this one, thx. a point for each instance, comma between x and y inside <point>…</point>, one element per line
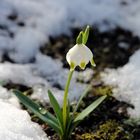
<point>65,100</point>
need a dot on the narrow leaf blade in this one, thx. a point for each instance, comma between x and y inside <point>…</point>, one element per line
<point>37,110</point>
<point>81,97</point>
<point>55,106</point>
<point>89,109</point>
<point>85,35</point>
<point>79,38</point>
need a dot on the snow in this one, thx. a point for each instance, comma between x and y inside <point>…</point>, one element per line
<point>25,26</point>
<point>36,76</point>
<point>123,45</point>
<point>44,74</point>
<point>8,96</point>
<point>16,124</point>
<point>40,21</point>
<point>126,83</point>
<point>23,42</point>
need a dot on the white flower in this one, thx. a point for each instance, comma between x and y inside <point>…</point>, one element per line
<point>79,55</point>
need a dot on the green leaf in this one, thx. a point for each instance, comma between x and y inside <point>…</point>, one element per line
<point>79,38</point>
<point>42,113</point>
<point>89,109</point>
<point>69,114</point>
<point>56,107</point>
<point>85,35</point>
<point>69,127</point>
<point>69,118</point>
<point>72,126</point>
<point>81,98</point>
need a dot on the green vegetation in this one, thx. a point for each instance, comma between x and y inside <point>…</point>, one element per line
<point>110,130</point>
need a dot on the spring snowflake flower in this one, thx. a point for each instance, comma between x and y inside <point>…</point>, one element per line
<point>79,55</point>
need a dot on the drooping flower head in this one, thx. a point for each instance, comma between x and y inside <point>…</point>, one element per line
<point>80,55</point>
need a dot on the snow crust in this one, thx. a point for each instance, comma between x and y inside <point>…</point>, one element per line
<point>40,77</point>
<point>26,25</point>
<point>16,124</point>
<point>44,74</point>
<point>8,96</point>
<point>126,83</point>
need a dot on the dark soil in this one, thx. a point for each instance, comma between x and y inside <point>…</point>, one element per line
<point>111,50</point>
<point>110,112</point>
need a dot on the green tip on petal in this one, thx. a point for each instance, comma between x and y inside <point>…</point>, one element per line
<point>93,62</point>
<point>72,66</point>
<point>82,65</point>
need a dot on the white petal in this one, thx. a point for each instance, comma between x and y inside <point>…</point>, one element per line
<point>79,54</point>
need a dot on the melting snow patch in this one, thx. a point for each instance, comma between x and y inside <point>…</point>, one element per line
<point>26,25</point>
<point>16,124</point>
<point>126,83</point>
<point>44,74</point>
<point>28,42</point>
<point>8,96</point>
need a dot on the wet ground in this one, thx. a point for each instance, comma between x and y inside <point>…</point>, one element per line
<point>111,49</point>
<point>109,121</point>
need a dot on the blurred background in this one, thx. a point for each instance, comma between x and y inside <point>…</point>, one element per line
<point>35,36</point>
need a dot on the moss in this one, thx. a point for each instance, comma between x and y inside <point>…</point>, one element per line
<point>103,90</point>
<point>110,130</point>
